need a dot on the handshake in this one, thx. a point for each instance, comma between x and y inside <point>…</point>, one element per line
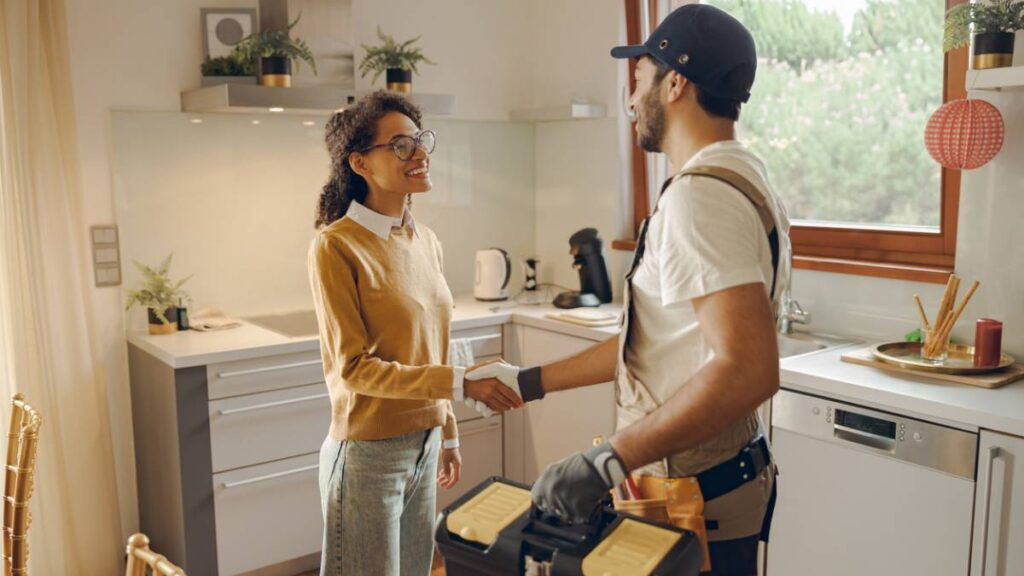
<point>493,387</point>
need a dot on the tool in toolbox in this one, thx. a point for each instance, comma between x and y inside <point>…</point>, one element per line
<point>494,529</point>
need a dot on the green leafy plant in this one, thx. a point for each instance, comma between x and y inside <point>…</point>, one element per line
<point>273,44</point>
<point>391,55</point>
<point>229,65</point>
<point>999,16</point>
<point>156,290</point>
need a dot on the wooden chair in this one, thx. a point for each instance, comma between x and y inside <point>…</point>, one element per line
<point>21,464</point>
<point>140,556</point>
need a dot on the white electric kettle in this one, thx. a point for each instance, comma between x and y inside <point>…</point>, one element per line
<point>493,271</point>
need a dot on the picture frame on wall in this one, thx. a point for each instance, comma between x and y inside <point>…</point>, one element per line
<point>223,28</point>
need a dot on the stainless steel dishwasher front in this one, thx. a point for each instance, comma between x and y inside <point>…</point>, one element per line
<point>863,491</point>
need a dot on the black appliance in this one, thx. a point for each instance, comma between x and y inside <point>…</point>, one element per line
<point>595,288</point>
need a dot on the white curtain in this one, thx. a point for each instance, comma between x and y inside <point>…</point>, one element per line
<point>47,328</point>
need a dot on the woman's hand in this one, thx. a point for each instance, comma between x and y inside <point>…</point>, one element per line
<point>492,392</point>
<point>450,469</point>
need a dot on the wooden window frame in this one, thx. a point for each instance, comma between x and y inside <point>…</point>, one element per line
<point>880,252</point>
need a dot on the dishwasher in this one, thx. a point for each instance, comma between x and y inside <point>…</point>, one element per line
<point>868,492</point>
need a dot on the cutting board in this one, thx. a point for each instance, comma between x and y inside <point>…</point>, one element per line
<point>589,318</point>
<point>864,357</point>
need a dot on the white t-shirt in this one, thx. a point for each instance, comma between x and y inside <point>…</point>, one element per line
<point>705,237</point>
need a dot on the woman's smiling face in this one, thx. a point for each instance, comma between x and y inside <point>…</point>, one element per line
<point>385,170</point>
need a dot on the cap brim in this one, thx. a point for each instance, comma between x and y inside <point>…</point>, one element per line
<point>632,51</point>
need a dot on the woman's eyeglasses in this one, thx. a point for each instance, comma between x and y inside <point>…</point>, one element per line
<point>405,146</point>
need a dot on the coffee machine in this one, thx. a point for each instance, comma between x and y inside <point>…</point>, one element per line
<point>595,288</point>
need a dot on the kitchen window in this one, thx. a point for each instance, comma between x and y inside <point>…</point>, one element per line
<point>844,89</point>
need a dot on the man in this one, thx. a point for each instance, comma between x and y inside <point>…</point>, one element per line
<point>698,351</point>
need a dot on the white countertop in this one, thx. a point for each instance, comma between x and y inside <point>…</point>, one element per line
<point>957,405</point>
<point>192,348</point>
<point>821,374</point>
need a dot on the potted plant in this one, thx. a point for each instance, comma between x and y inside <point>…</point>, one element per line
<point>994,25</point>
<point>273,51</point>
<point>397,60</point>
<point>228,69</point>
<point>160,295</point>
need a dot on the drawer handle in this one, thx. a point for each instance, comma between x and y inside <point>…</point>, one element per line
<point>230,411</point>
<point>263,369</point>
<point>993,453</point>
<point>475,339</point>
<point>227,485</point>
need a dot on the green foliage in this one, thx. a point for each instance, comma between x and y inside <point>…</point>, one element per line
<point>156,290</point>
<point>884,24</point>
<point>391,55</point>
<point>273,44</point>
<point>913,336</point>
<point>787,31</point>
<point>226,66</point>
<point>999,16</point>
<point>841,131</point>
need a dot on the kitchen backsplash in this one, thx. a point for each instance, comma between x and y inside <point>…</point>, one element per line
<point>233,196</point>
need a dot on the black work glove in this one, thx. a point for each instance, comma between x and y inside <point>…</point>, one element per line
<point>574,486</point>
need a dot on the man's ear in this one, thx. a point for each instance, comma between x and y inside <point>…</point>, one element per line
<point>675,86</point>
<point>357,162</point>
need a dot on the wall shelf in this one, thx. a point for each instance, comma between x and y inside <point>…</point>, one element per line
<point>313,100</point>
<point>1009,78</point>
<point>574,111</point>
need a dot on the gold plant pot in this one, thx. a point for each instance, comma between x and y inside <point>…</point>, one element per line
<point>399,80</point>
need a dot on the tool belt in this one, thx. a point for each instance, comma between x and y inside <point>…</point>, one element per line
<point>680,501</point>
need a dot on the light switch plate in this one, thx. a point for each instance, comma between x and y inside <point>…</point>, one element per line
<point>106,259</point>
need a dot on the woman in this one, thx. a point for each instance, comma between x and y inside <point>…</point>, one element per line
<point>384,311</point>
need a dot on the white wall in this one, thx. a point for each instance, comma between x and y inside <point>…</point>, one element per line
<point>233,201</point>
<point>579,162</point>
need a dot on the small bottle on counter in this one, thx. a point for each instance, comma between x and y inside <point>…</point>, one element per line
<point>182,316</point>
<point>988,342</point>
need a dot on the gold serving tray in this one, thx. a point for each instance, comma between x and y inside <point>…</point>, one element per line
<point>960,361</point>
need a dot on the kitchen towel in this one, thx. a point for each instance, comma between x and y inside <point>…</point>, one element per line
<point>209,319</point>
<point>460,353</point>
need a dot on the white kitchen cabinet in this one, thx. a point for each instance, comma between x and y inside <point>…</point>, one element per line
<point>998,546</point>
<point>480,446</point>
<point>564,422</point>
<point>267,514</point>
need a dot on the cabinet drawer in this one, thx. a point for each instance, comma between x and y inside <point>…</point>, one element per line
<point>486,341</point>
<point>255,428</point>
<point>480,442</point>
<point>253,375</point>
<point>267,514</point>
<point>464,413</point>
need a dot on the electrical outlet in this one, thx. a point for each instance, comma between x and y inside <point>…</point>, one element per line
<point>106,258</point>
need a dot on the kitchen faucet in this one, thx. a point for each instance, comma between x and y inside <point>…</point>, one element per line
<point>792,313</point>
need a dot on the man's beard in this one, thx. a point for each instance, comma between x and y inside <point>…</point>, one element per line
<point>652,116</point>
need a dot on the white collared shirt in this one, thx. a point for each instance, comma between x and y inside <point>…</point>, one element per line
<point>381,225</point>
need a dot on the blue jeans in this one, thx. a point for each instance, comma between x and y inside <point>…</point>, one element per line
<point>378,501</point>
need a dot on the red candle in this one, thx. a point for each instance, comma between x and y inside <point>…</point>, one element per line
<point>988,341</point>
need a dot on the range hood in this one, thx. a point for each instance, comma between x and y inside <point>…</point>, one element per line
<point>314,100</point>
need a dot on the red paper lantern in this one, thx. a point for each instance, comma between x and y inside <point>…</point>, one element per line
<point>964,134</point>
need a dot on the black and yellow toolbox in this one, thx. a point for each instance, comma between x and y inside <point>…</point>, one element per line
<point>495,530</point>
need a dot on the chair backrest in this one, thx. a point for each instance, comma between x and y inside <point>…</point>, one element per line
<point>140,557</point>
<point>19,471</point>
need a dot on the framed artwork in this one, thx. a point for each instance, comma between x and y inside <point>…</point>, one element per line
<point>224,27</point>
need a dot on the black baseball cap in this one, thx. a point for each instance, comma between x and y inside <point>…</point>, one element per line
<point>704,44</point>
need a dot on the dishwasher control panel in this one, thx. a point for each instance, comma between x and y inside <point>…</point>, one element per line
<point>903,438</point>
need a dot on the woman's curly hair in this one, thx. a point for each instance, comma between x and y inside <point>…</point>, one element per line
<point>351,130</point>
